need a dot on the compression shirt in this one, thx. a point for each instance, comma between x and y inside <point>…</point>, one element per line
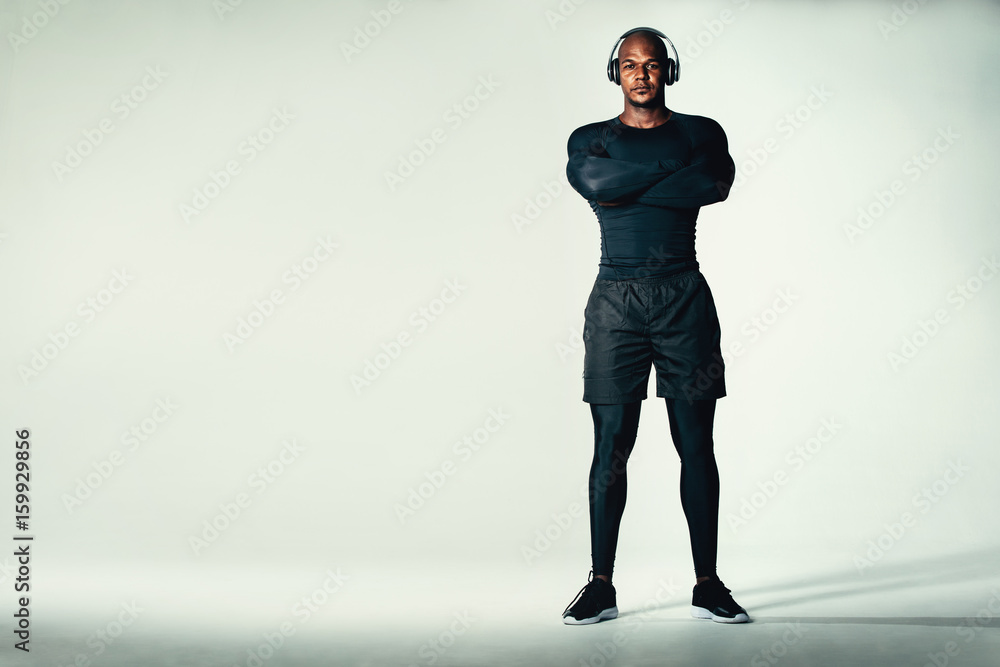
<point>661,176</point>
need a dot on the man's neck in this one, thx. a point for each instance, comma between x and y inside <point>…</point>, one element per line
<point>643,117</point>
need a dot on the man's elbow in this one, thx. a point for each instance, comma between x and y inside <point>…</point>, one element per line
<point>577,182</point>
<point>586,192</point>
<point>723,188</point>
<point>725,184</point>
<point>584,186</point>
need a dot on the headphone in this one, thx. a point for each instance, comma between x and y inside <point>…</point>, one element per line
<point>672,66</point>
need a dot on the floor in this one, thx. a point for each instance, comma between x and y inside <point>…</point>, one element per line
<point>935,611</point>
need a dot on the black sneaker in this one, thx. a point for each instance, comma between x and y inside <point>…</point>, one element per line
<point>711,599</point>
<point>595,602</point>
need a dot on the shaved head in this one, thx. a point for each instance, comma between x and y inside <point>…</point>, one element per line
<point>644,38</point>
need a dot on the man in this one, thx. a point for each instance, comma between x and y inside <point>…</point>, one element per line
<point>645,174</point>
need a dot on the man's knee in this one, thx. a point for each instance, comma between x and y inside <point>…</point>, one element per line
<point>615,429</point>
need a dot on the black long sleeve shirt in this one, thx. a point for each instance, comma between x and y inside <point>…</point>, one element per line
<point>660,176</point>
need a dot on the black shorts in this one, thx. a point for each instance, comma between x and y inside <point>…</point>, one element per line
<point>670,322</point>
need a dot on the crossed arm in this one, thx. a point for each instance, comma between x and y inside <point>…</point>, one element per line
<point>667,183</point>
<point>605,179</point>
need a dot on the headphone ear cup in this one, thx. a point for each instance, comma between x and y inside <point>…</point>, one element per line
<point>671,72</point>
<point>616,72</point>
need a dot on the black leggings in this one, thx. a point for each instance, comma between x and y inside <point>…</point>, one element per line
<point>615,428</point>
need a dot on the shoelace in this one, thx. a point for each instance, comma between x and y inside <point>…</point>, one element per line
<point>724,594</point>
<point>590,580</point>
<point>715,582</point>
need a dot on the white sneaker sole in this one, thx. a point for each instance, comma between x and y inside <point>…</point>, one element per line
<point>701,612</point>
<point>605,615</point>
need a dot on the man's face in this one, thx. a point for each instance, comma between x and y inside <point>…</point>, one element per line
<point>640,67</point>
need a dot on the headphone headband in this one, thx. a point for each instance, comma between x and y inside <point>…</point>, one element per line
<point>672,66</point>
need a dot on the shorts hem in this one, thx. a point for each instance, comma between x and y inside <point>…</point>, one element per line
<point>690,395</point>
<point>613,400</point>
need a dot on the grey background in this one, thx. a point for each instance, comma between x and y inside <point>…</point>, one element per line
<point>510,340</point>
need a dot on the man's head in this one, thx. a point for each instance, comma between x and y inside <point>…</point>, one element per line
<point>642,62</point>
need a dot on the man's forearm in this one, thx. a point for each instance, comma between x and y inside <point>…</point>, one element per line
<point>693,186</point>
<point>607,179</point>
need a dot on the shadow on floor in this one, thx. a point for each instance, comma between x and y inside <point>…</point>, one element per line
<point>882,577</point>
